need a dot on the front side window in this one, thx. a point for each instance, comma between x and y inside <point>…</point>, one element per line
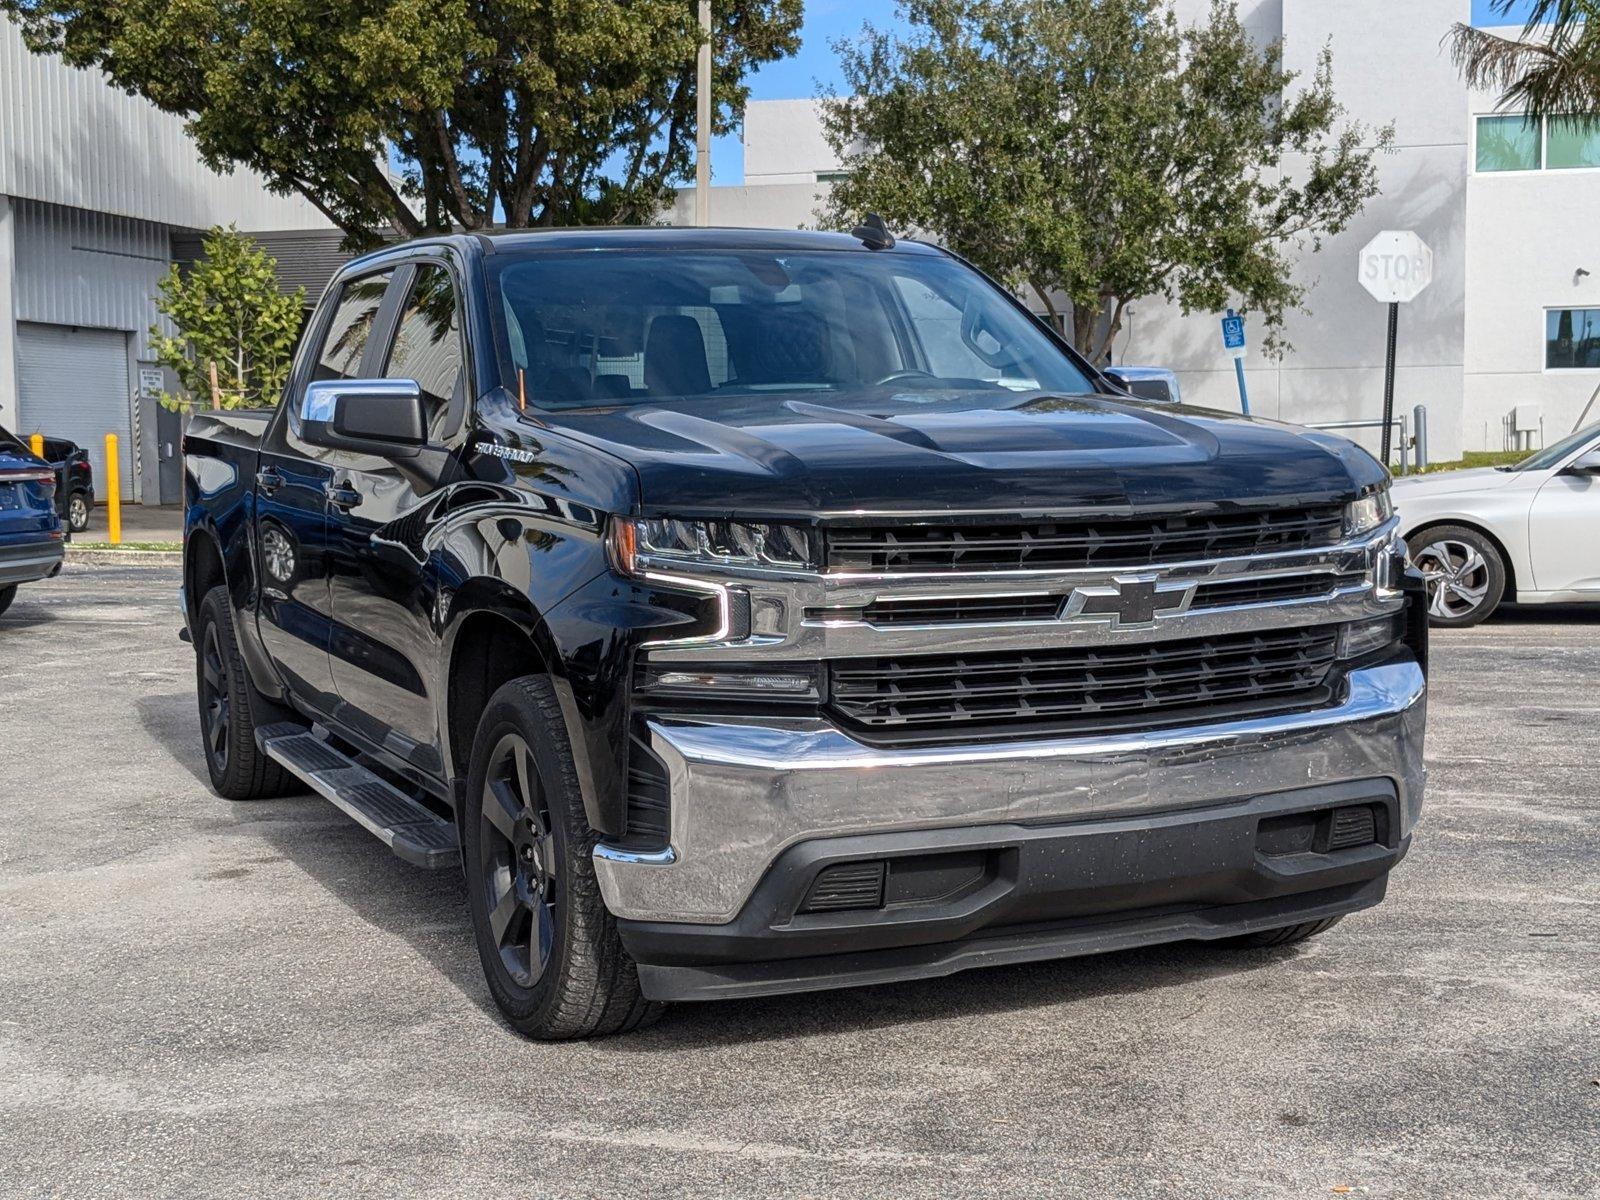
<point>607,328</point>
<point>427,341</point>
<point>351,327</point>
<point>1571,339</point>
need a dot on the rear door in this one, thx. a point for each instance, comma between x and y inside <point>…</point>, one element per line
<point>384,647</point>
<point>292,484</point>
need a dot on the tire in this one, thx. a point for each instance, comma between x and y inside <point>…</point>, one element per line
<point>231,710</point>
<point>1466,574</point>
<point>1287,936</point>
<point>7,595</point>
<point>78,508</point>
<point>549,947</point>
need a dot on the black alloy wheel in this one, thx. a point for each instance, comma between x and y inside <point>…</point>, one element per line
<point>517,864</point>
<point>215,701</point>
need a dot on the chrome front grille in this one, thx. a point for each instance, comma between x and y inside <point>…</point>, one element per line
<point>1087,689</point>
<point>901,611</point>
<point>1079,544</point>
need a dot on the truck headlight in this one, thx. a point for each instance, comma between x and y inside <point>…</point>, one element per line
<point>1366,514</point>
<point>638,544</point>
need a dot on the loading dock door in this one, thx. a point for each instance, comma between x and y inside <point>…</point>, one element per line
<point>73,383</point>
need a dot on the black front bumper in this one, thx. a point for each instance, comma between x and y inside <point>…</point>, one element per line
<point>969,897</point>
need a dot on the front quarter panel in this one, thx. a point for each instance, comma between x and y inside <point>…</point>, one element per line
<point>1501,512</point>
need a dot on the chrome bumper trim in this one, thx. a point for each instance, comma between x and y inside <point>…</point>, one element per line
<point>744,791</point>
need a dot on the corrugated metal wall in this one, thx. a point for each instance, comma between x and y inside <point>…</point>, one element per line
<point>69,137</point>
<point>88,269</point>
<point>306,258</point>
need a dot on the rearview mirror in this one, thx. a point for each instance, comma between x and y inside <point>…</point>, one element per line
<point>373,416</point>
<point>1117,380</point>
<point>1587,463</point>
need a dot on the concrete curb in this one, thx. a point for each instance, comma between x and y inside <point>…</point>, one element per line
<point>124,558</point>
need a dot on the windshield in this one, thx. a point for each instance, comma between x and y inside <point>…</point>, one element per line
<point>615,327</point>
<point>9,441</point>
<point>1551,455</point>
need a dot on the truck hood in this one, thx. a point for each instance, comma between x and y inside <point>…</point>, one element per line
<point>967,451</point>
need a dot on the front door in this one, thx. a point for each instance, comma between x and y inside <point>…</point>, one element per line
<point>292,483</point>
<point>384,647</point>
<point>1564,534</point>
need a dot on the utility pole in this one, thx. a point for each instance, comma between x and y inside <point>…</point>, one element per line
<point>702,115</point>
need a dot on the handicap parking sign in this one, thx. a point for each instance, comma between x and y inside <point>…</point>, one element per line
<point>1233,335</point>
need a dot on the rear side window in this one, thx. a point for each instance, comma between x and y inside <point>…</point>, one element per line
<point>427,341</point>
<point>351,327</point>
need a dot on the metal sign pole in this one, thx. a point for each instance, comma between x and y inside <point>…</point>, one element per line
<point>1233,343</point>
<point>702,111</point>
<point>1388,381</point>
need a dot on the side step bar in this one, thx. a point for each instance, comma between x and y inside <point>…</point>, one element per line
<point>408,828</point>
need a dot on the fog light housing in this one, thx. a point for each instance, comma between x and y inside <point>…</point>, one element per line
<point>1359,639</point>
<point>788,682</point>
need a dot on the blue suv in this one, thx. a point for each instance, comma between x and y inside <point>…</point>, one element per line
<point>31,540</point>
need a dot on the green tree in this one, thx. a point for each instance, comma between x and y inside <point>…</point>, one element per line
<point>228,312</point>
<point>527,112</point>
<point>1092,148</point>
<point>1552,70</point>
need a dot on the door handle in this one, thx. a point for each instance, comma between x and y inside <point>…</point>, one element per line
<point>269,480</point>
<point>342,497</point>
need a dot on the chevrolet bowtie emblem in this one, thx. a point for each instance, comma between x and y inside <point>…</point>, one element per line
<point>1129,600</point>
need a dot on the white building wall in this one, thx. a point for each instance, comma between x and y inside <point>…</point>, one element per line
<point>1528,235</point>
<point>68,137</point>
<point>783,143</point>
<point>772,206</point>
<point>1385,70</point>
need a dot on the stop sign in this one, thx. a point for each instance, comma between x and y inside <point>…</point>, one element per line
<point>1395,266</point>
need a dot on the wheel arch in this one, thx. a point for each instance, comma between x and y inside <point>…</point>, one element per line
<point>1483,531</point>
<point>203,569</point>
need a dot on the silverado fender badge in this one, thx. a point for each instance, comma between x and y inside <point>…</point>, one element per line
<point>496,450</point>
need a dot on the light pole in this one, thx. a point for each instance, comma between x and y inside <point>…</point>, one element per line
<point>702,160</point>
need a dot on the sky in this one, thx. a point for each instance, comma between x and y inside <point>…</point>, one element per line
<point>817,66</point>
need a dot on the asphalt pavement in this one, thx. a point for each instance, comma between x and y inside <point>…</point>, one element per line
<point>200,998</point>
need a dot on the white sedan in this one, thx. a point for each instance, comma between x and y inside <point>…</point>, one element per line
<point>1527,533</point>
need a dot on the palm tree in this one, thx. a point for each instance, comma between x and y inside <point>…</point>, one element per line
<point>1552,70</point>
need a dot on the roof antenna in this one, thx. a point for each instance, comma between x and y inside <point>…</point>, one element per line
<point>873,233</point>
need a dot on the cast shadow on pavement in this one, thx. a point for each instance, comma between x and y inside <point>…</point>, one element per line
<point>427,910</point>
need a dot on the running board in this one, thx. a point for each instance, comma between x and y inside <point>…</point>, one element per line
<point>408,828</point>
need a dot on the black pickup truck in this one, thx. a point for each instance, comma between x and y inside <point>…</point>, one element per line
<point>751,612</point>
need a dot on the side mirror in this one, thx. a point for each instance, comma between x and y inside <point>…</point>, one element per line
<point>1117,380</point>
<point>383,417</point>
<point>1587,463</point>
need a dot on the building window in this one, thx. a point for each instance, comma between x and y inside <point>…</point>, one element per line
<point>1570,143</point>
<point>832,176</point>
<point>1571,339</point>
<point>1516,143</point>
<point>1508,144</point>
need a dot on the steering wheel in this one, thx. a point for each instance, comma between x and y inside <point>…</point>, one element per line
<point>897,376</point>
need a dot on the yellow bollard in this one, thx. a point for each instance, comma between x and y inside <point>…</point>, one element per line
<point>113,493</point>
<point>37,442</point>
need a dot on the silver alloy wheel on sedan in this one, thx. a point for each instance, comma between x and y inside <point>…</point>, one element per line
<point>1457,575</point>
